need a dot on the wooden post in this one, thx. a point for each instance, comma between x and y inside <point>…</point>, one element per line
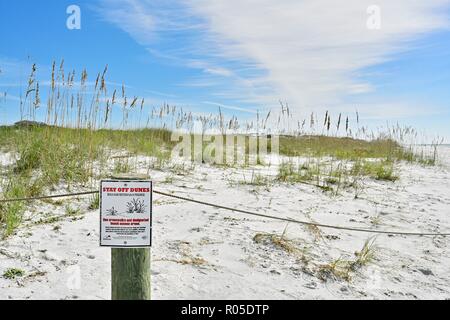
<point>130,267</point>
<point>130,274</point>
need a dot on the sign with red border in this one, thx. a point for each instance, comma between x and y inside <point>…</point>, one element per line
<point>126,213</point>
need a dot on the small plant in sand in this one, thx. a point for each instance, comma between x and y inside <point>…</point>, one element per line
<point>72,212</point>
<point>313,229</point>
<point>182,169</point>
<point>122,166</point>
<point>376,220</point>
<point>11,213</point>
<point>386,173</point>
<point>94,202</point>
<point>13,273</point>
<point>169,179</point>
<point>257,179</point>
<point>289,172</point>
<point>343,269</point>
<point>283,243</point>
<point>184,249</point>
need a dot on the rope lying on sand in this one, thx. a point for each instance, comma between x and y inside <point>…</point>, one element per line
<point>49,197</point>
<point>261,215</point>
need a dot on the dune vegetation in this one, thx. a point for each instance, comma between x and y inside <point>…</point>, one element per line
<point>68,141</point>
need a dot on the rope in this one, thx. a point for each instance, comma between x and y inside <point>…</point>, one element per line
<point>299,221</point>
<point>261,215</point>
<point>49,197</point>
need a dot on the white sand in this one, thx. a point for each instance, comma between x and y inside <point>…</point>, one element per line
<point>235,266</point>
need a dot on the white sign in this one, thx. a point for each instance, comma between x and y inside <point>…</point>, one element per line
<point>125,213</point>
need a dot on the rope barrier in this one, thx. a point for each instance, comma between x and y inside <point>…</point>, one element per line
<point>299,221</point>
<point>261,215</point>
<point>49,197</point>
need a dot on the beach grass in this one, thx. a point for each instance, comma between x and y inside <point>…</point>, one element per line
<point>71,141</point>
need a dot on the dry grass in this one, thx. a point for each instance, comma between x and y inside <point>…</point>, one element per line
<point>283,243</point>
<point>184,249</point>
<point>69,138</point>
<point>343,269</point>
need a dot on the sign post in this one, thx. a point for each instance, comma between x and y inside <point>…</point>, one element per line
<point>126,226</point>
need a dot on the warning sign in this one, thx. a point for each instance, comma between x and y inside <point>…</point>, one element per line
<point>125,213</point>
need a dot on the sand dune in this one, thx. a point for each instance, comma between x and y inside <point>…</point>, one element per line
<point>205,253</point>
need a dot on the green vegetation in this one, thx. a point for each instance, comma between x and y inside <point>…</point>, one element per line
<point>335,175</point>
<point>256,179</point>
<point>49,156</point>
<point>94,202</point>
<point>77,142</point>
<point>340,147</point>
<point>71,212</point>
<point>377,169</point>
<point>15,186</point>
<point>13,273</point>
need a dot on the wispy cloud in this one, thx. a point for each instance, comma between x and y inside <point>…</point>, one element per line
<point>132,16</point>
<point>225,106</point>
<point>211,69</point>
<point>312,53</point>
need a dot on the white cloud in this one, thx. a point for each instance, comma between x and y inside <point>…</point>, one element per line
<point>132,16</point>
<point>313,50</point>
<point>311,53</point>
<point>218,71</point>
<point>225,106</point>
<point>210,69</point>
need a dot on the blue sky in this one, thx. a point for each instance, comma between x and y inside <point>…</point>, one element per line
<point>246,55</point>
